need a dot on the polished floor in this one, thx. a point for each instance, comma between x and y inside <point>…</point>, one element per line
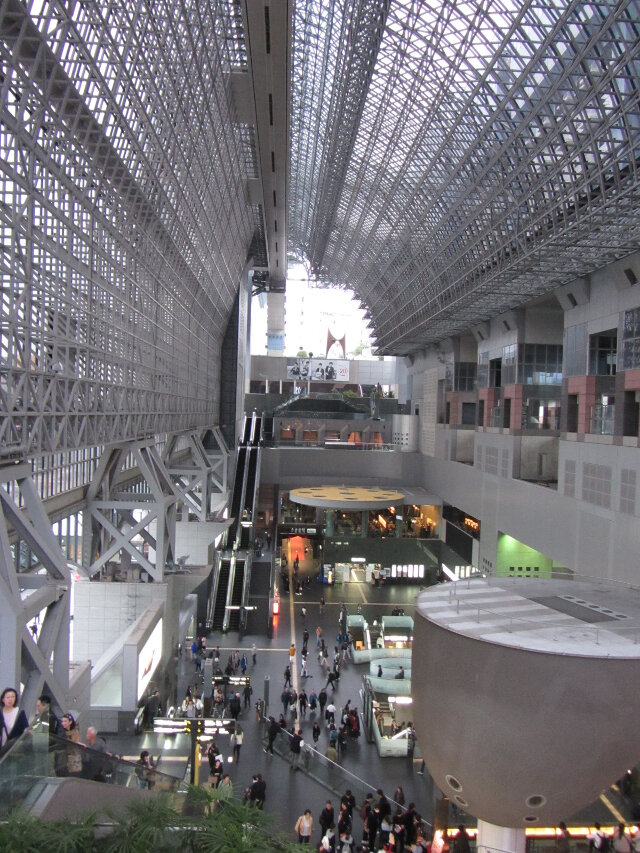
<point>290,793</point>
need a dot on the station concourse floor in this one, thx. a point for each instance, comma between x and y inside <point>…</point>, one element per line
<point>290,793</point>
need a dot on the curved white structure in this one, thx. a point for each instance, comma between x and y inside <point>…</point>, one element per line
<point>526,699</point>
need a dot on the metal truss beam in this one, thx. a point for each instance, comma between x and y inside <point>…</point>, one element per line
<point>39,658</point>
<point>482,155</point>
<point>124,215</point>
<point>197,476</point>
<point>114,517</point>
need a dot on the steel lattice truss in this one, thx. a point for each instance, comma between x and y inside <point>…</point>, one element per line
<point>451,159</point>
<point>124,217</point>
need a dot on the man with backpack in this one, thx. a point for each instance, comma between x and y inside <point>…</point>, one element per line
<point>599,840</point>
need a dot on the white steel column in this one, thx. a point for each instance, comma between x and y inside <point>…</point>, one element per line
<point>198,475</point>
<point>39,660</point>
<point>500,839</point>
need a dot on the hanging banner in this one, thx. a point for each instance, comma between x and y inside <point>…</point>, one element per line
<point>318,370</point>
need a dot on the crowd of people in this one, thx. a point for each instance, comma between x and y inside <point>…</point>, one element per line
<point>385,825</point>
<point>70,755</point>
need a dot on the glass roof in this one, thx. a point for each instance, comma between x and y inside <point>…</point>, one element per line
<point>451,160</point>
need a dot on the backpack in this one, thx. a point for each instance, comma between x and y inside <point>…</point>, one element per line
<point>605,843</point>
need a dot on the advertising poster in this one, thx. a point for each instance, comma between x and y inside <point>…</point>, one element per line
<point>318,370</point>
<point>149,658</point>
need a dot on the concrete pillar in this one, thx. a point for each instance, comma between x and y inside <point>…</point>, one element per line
<point>500,838</point>
<point>364,523</point>
<point>329,516</point>
<point>275,324</point>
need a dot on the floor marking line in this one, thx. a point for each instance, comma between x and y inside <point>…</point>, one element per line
<point>614,811</point>
<point>292,615</point>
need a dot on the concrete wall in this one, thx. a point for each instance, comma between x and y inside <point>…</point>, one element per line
<point>103,611</point>
<point>484,718</point>
<point>593,540</point>
<point>308,466</point>
<point>196,539</point>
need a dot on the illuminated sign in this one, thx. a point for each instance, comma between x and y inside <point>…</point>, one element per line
<point>471,523</point>
<point>149,658</point>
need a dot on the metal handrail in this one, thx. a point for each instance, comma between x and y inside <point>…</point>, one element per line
<point>309,753</point>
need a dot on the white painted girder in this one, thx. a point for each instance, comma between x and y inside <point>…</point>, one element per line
<point>109,515</point>
<point>42,664</point>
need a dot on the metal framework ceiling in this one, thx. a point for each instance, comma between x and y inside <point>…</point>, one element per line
<point>451,160</point>
<point>124,214</point>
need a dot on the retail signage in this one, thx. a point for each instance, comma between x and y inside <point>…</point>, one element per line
<point>285,528</point>
<point>411,570</point>
<point>318,370</point>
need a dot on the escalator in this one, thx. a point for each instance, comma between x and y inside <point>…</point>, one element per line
<point>249,497</point>
<point>219,608</point>
<point>236,595</point>
<point>256,430</point>
<point>236,499</point>
<point>235,563</point>
<point>246,432</point>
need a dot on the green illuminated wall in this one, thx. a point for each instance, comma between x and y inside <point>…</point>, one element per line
<point>514,559</point>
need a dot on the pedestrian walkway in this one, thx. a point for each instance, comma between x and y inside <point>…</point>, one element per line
<point>290,793</point>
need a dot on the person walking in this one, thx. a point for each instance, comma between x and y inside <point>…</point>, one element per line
<point>258,791</point>
<point>621,842</point>
<point>295,748</point>
<point>285,697</point>
<point>461,841</point>
<point>287,677</point>
<point>254,654</point>
<point>322,700</point>
<point>313,700</point>
<point>237,736</point>
<point>330,714</point>
<point>234,706</point>
<point>272,733</point>
<point>327,819</point>
<point>316,732</point>
<point>304,827</point>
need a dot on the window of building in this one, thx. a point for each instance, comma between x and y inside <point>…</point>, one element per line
<point>630,354</point>
<point>628,491</point>
<point>603,353</point>
<point>540,364</point>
